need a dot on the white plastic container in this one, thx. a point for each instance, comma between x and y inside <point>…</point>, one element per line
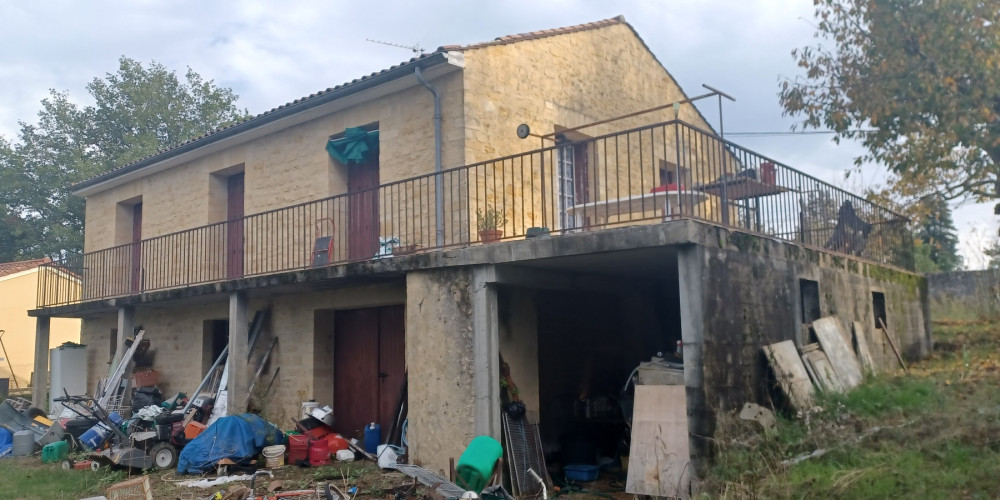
<point>307,408</point>
<point>387,455</point>
<point>345,455</point>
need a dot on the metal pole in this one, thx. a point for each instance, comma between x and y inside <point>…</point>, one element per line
<point>9,366</point>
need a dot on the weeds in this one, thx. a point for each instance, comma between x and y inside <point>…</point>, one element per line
<point>932,434</point>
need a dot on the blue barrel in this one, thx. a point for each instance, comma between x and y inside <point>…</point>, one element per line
<point>373,437</point>
<point>95,437</point>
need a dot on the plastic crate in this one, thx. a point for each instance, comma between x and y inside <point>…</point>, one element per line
<point>582,473</point>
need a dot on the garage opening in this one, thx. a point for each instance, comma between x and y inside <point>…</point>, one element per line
<point>574,356</point>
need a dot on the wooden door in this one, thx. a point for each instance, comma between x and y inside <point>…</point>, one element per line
<point>136,256</point>
<point>368,367</point>
<point>362,209</point>
<point>391,365</point>
<point>234,226</point>
<point>355,370</point>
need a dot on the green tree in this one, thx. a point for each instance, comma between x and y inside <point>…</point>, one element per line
<point>916,81</point>
<point>137,111</point>
<point>938,237</point>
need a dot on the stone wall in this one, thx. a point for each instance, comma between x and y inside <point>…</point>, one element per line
<point>283,168</point>
<point>964,295</point>
<point>304,350</point>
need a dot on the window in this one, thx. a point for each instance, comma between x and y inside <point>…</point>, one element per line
<point>567,186</point>
<point>669,174</point>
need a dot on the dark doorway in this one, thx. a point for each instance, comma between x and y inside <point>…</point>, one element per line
<point>215,339</point>
<point>234,226</point>
<point>136,247</point>
<point>369,363</point>
<point>362,209</point>
<point>878,307</point>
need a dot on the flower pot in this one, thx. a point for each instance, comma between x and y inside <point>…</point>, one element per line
<point>490,235</point>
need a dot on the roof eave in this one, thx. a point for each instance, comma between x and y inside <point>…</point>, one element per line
<point>391,81</point>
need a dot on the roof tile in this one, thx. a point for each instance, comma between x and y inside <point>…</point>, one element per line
<point>8,268</point>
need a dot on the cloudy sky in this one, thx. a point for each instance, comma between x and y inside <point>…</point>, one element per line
<point>274,52</point>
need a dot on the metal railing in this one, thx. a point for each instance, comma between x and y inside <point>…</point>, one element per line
<point>643,175</point>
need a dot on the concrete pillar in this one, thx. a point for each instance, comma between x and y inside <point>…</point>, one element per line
<point>126,324</point>
<point>40,387</point>
<point>239,316</point>
<point>486,345</point>
<point>689,275</point>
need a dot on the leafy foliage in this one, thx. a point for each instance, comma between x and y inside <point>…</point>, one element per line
<point>137,111</point>
<point>937,236</point>
<point>918,82</point>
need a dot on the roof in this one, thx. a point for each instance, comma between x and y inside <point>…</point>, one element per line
<point>8,268</point>
<point>350,88</point>
<point>534,35</point>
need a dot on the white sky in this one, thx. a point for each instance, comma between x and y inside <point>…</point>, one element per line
<point>271,53</point>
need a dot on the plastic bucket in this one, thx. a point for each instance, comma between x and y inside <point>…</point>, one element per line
<point>274,455</point>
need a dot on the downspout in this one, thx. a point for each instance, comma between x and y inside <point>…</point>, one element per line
<point>438,180</point>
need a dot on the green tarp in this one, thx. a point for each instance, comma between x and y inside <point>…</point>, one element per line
<point>356,146</point>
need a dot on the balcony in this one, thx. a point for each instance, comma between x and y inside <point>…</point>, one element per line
<point>646,175</point>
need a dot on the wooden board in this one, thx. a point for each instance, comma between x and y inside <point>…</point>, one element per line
<point>791,374</point>
<point>864,350</point>
<point>659,457</point>
<point>823,373</point>
<point>839,353</point>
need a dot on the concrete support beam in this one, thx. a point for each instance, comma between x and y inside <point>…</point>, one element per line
<point>239,328</point>
<point>40,387</point>
<point>689,272</point>
<point>126,324</point>
<point>486,346</point>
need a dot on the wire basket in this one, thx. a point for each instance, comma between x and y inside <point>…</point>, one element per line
<point>133,489</point>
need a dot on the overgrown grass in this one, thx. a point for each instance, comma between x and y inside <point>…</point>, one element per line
<point>933,433</point>
<point>28,479</point>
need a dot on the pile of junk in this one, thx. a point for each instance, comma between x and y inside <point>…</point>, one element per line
<point>128,423</point>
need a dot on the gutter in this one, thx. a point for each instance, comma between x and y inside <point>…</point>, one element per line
<point>438,180</point>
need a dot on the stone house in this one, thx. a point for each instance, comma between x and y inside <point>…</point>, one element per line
<point>352,215</point>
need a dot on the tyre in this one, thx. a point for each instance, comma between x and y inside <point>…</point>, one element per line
<point>67,465</point>
<point>164,455</point>
<point>94,466</point>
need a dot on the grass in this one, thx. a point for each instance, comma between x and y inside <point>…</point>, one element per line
<point>932,433</point>
<point>29,479</point>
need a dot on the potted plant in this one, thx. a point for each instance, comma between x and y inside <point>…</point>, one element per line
<point>490,224</point>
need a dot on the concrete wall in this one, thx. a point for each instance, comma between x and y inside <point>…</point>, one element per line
<point>964,295</point>
<point>748,288</point>
<point>439,357</point>
<point>17,297</point>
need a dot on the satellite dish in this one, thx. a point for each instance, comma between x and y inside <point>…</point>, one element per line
<point>523,130</point>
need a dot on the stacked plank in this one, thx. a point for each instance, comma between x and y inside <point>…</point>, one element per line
<point>836,362</point>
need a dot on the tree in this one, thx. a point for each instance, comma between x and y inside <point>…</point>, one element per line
<point>916,81</point>
<point>137,111</point>
<point>938,238</point>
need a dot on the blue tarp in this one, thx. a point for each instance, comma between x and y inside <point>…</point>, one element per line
<point>239,438</point>
<point>6,442</point>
